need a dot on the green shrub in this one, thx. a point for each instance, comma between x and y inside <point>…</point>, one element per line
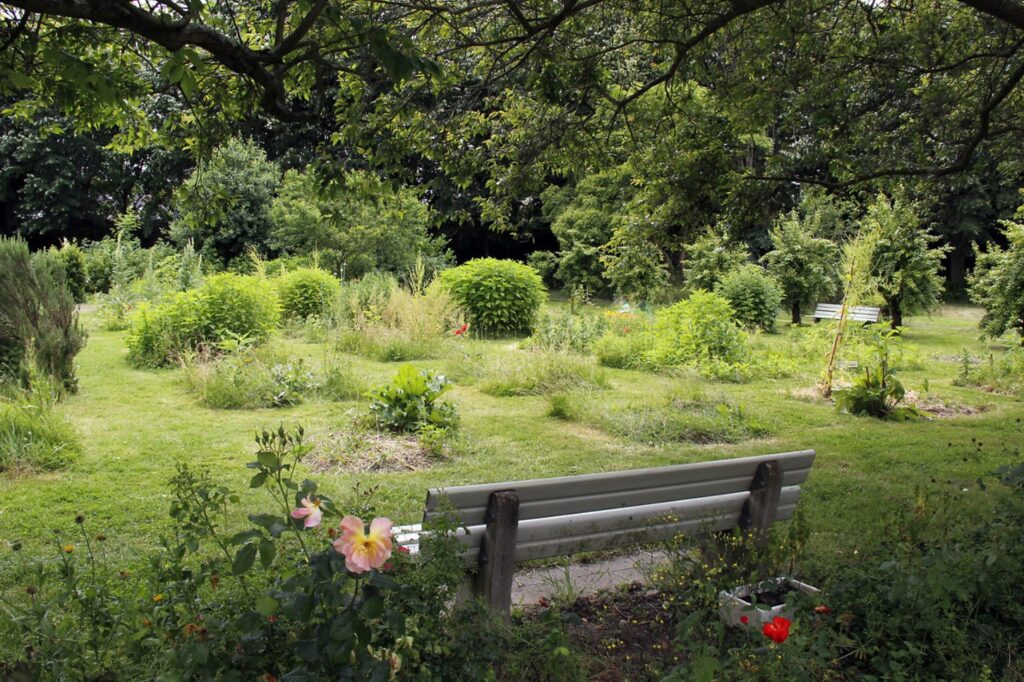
<point>37,315</point>
<point>700,330</point>
<point>225,307</point>
<point>499,296</point>
<point>412,401</point>
<point>710,258</point>
<point>307,292</point>
<point>73,260</point>
<point>755,297</point>
<point>32,436</point>
<point>541,373</point>
<point>356,223</point>
<point>997,283</point>
<point>224,204</point>
<point>565,331</point>
<point>546,265</point>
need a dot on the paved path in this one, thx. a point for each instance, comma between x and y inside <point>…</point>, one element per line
<point>571,580</point>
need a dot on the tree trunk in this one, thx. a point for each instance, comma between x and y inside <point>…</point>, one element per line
<point>896,313</point>
<point>796,312</point>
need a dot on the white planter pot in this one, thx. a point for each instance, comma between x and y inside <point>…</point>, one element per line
<point>735,603</point>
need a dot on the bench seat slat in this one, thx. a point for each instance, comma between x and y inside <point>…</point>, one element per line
<point>580,504</point>
<point>611,528</point>
<point>542,498</point>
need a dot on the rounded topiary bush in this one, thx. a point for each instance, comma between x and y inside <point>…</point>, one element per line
<point>226,306</point>
<point>307,292</point>
<point>499,296</point>
<point>754,295</point>
<point>697,331</point>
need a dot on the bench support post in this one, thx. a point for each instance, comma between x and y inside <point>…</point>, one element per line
<point>493,582</point>
<point>762,505</point>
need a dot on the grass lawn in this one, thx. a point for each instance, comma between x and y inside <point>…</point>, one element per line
<point>135,425</point>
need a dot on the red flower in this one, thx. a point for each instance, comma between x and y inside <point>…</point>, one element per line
<point>461,330</point>
<point>777,630</point>
<point>402,550</point>
<point>626,330</point>
<point>744,620</point>
<point>822,609</point>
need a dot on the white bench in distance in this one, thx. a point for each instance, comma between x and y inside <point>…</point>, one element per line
<point>856,313</point>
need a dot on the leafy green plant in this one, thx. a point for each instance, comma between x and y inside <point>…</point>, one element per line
<point>876,392</point>
<point>355,223</point>
<point>634,264</point>
<point>498,296</point>
<point>224,205</point>
<point>362,301</point>
<point>755,297</point>
<point>226,306</point>
<point>412,401</point>
<point>307,292</point>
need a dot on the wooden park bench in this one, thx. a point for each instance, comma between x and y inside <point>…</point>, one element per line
<point>517,521</point>
<point>856,313</point>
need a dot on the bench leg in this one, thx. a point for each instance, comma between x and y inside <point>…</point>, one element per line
<point>493,582</point>
<point>756,518</point>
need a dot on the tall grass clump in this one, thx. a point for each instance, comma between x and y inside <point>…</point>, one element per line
<point>565,330</point>
<point>539,372</point>
<point>398,323</point>
<point>32,436</point>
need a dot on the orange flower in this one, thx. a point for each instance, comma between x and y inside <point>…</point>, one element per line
<point>364,551</point>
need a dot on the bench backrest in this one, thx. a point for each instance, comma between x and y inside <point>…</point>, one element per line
<point>570,514</point>
<point>862,313</point>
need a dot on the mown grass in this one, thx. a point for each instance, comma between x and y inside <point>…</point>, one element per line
<point>135,425</point>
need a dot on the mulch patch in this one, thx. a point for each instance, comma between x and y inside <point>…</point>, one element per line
<point>627,634</point>
<point>344,451</point>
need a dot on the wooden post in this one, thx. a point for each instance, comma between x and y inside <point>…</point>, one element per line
<point>760,508</point>
<point>497,561</point>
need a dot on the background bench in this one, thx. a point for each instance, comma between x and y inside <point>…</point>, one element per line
<point>856,313</point>
<point>536,519</point>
